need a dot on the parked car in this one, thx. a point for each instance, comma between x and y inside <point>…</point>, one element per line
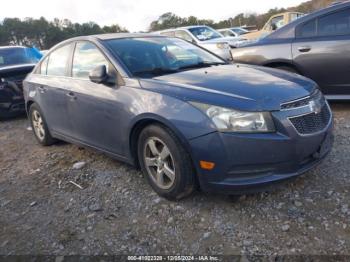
<point>206,37</point>
<point>15,63</point>
<point>233,32</point>
<point>275,22</point>
<point>180,113</point>
<point>316,46</point>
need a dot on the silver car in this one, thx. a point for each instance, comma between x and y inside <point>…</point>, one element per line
<point>206,37</point>
<point>233,32</point>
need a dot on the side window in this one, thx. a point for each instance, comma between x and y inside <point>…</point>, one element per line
<point>86,58</point>
<point>307,30</point>
<point>43,66</point>
<point>59,61</point>
<point>335,24</point>
<point>183,35</point>
<point>275,23</point>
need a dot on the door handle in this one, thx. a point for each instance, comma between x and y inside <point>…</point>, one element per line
<point>71,95</point>
<point>304,49</point>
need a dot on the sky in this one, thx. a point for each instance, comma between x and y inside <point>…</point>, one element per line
<point>135,15</point>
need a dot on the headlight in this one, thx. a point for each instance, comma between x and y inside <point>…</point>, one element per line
<point>222,46</point>
<point>230,120</point>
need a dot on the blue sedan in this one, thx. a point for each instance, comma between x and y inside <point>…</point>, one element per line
<point>179,112</point>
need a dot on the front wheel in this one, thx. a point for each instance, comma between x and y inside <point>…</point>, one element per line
<point>165,162</point>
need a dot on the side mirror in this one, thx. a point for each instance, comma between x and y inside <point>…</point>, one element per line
<point>99,74</point>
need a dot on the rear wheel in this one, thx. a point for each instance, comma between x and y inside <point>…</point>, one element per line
<point>165,162</point>
<point>39,126</point>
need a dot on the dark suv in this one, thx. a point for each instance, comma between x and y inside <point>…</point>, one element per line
<point>316,46</point>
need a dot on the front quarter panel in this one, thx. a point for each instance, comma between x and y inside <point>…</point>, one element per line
<point>182,117</point>
<point>141,105</point>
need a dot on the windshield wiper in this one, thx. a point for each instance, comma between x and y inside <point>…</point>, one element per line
<point>155,71</point>
<point>202,64</point>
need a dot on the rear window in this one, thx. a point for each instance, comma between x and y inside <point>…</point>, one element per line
<point>335,24</point>
<point>169,33</point>
<point>16,56</point>
<point>183,35</point>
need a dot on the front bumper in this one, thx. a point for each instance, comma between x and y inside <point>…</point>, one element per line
<point>252,162</point>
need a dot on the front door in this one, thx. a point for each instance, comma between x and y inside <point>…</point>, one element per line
<point>95,109</point>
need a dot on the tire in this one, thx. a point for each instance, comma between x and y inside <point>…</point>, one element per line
<point>288,69</point>
<point>165,162</point>
<point>39,126</point>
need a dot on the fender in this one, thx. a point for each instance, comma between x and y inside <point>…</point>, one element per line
<point>143,120</point>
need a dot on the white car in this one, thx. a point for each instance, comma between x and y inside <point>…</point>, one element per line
<point>206,37</point>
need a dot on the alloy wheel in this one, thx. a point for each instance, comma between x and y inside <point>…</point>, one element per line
<point>38,125</point>
<point>159,163</point>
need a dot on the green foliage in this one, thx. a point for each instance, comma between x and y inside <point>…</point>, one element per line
<point>44,34</point>
<point>170,20</point>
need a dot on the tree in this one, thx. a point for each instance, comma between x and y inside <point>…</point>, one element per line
<point>170,20</point>
<point>44,34</point>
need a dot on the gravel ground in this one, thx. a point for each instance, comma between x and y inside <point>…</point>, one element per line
<point>116,212</point>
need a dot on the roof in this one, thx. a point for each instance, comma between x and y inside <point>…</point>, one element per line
<point>12,46</point>
<point>116,36</point>
<point>182,27</point>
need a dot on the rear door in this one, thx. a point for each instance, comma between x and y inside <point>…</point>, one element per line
<point>52,85</point>
<point>322,51</point>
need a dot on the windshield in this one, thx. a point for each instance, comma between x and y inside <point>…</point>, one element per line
<point>204,33</point>
<point>16,56</point>
<point>154,56</point>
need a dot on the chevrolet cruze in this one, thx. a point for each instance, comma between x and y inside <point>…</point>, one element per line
<point>180,113</point>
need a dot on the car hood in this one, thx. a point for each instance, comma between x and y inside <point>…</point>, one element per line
<point>16,69</point>
<point>250,88</point>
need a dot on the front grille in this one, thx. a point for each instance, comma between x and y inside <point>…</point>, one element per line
<point>295,104</point>
<point>317,95</point>
<point>312,123</point>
